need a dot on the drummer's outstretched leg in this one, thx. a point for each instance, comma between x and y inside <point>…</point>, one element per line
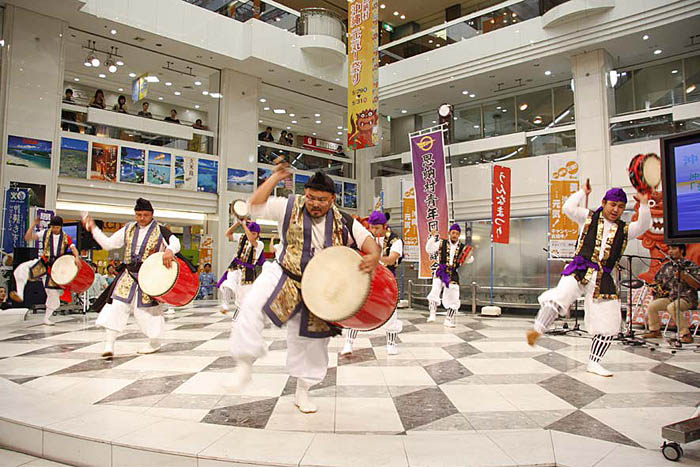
<point>151,321</point>
<point>113,318</point>
<point>393,327</point>
<point>307,361</point>
<point>434,298</point>
<point>350,335</point>
<point>450,300</point>
<point>554,302</point>
<point>53,301</point>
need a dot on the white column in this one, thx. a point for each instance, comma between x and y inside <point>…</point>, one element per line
<point>593,99</point>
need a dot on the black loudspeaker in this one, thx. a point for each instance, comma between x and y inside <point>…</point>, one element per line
<point>85,239</point>
<point>20,255</point>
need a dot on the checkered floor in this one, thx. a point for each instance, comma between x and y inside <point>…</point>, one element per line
<point>478,376</point>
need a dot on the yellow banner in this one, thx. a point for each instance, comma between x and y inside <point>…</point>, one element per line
<point>563,182</point>
<point>363,76</point>
<point>408,222</point>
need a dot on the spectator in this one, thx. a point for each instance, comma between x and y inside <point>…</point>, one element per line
<point>98,100</point>
<point>266,135</point>
<point>173,117</point>
<point>99,283</point>
<point>120,106</point>
<point>144,111</point>
<point>339,152</point>
<point>68,116</point>
<point>111,274</point>
<point>290,139</point>
<point>283,138</point>
<point>199,125</point>
<point>206,283</point>
<point>5,302</point>
<point>68,97</point>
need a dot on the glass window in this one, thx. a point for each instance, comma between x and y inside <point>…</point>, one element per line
<point>499,117</point>
<point>390,168</point>
<point>658,86</point>
<point>692,76</point>
<point>534,110</point>
<point>564,105</point>
<point>645,128</point>
<point>467,127</point>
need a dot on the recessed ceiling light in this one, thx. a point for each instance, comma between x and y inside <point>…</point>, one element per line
<point>102,75</point>
<point>152,79</point>
<point>339,127</point>
<point>259,121</point>
<point>674,72</point>
<point>292,115</point>
<point>547,72</point>
<point>196,106</point>
<point>113,32</point>
<point>279,111</point>
<point>119,62</point>
<point>396,13</point>
<point>317,115</point>
<point>294,121</point>
<point>476,127</point>
<point>340,132</point>
<point>465,92</point>
<point>318,122</point>
<point>215,95</point>
<point>403,16</point>
<point>499,107</point>
<point>523,106</point>
<point>76,79</point>
<point>337,139</point>
<point>403,111</point>
<point>289,128</point>
<point>382,6</point>
<point>266,108</point>
<point>437,45</point>
<point>120,89</point>
<point>434,121</point>
<point>658,51</point>
<point>472,95</point>
<point>314,134</point>
<point>645,37</point>
<point>132,75</point>
<point>504,110</point>
<point>160,98</point>
<point>262,99</point>
<point>690,89</point>
<point>177,93</point>
<point>430,41</point>
<point>168,83</point>
<point>197,83</point>
<point>204,93</point>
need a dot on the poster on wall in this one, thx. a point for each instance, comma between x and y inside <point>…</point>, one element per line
<point>363,77</point>
<point>409,227</point>
<point>158,168</point>
<point>15,221</point>
<point>338,193</point>
<point>104,162</point>
<point>35,191</point>
<point>563,182</point>
<point>74,158</point>
<point>500,204</point>
<point>299,182</point>
<point>185,173</point>
<point>206,244</point>
<point>132,166</point>
<point>28,152</point>
<point>242,181</point>
<point>350,195</point>
<point>428,161</point>
<point>139,88</point>
<point>207,173</point>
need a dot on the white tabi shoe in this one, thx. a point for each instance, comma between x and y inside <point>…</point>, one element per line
<point>449,322</point>
<point>240,376</point>
<point>347,349</point>
<point>109,350</point>
<point>392,349</point>
<point>48,322</point>
<point>170,311</point>
<point>431,317</point>
<point>597,369</point>
<point>152,347</point>
<point>302,399</point>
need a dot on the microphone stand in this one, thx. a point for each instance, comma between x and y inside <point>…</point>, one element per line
<point>628,337</point>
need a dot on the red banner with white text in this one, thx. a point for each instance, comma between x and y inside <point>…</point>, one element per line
<point>500,204</point>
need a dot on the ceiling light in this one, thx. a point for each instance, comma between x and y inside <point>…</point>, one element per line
<point>472,95</point>
<point>132,75</point>
<point>337,139</point>
<point>523,107</point>
<point>314,134</point>
<point>120,89</point>
<point>382,6</point>
<point>499,107</point>
<point>504,110</point>
<point>340,132</point>
<point>197,83</point>
<point>168,83</point>
<point>547,72</point>
<point>119,62</point>
<point>216,95</point>
<point>160,98</point>
<point>658,51</point>
<point>674,72</point>
<point>454,118</point>
<point>690,89</point>
<point>94,61</point>
<point>87,62</point>
<point>645,37</point>
<point>266,108</point>
<point>152,79</point>
<point>279,111</point>
<point>259,121</point>
<point>294,121</point>
<point>76,79</point>
<point>339,127</point>
<point>102,75</point>
<point>292,115</point>
<point>403,111</point>
<point>537,120</point>
<point>437,45</point>
<point>318,122</point>
<point>110,65</point>
<point>113,32</point>
<point>262,99</point>
<point>289,128</point>
<point>476,127</point>
<point>205,93</point>
<point>434,122</point>
<point>177,93</point>
<point>430,41</point>
<point>196,106</point>
<point>403,16</point>
<point>317,115</point>
<point>396,13</point>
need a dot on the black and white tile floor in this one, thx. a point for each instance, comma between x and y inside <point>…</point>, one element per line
<point>473,394</point>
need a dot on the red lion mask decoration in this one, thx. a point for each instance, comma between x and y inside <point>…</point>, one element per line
<point>361,128</point>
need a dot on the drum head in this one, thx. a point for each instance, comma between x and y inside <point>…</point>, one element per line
<point>240,208</point>
<point>651,170</point>
<point>154,278</point>
<point>64,270</point>
<point>332,286</point>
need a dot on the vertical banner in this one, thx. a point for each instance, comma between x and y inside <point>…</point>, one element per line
<point>15,223</point>
<point>500,204</point>
<point>563,182</point>
<point>44,216</point>
<point>428,161</point>
<point>363,75</point>
<point>408,222</point>
<point>205,250</point>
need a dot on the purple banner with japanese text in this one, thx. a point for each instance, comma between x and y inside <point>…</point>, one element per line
<point>428,161</point>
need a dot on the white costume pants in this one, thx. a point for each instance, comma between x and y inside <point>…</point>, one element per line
<point>307,358</point>
<point>53,296</point>
<point>115,315</point>
<point>232,291</point>
<point>450,295</point>
<point>602,316</point>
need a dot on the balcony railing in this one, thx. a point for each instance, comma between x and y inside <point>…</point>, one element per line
<point>323,22</point>
<point>267,11</point>
<point>303,159</point>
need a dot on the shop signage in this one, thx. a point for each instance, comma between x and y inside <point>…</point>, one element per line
<point>428,161</point>
<point>500,204</point>
<point>363,75</point>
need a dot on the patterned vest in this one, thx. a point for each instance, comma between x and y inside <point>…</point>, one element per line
<point>48,253</point>
<point>444,258</point>
<point>286,299</point>
<point>246,254</point>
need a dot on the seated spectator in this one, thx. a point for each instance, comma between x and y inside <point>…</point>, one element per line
<point>68,116</point>
<point>173,117</point>
<point>120,106</point>
<point>111,274</point>
<point>199,125</point>
<point>283,138</point>
<point>206,283</point>
<point>266,135</point>
<point>99,283</point>
<point>144,111</point>
<point>98,100</point>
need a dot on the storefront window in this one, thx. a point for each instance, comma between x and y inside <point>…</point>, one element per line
<point>499,117</point>
<point>468,125</point>
<point>563,105</point>
<point>390,168</point>
<point>534,110</point>
<point>692,78</point>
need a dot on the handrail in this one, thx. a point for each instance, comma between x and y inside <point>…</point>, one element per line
<point>308,152</point>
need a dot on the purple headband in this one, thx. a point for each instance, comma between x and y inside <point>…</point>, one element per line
<point>376,218</point>
<point>615,194</point>
<point>253,227</point>
<point>456,227</point>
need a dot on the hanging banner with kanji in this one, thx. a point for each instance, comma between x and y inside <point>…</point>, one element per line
<point>363,74</point>
<point>408,222</point>
<point>563,182</point>
<point>15,222</point>
<point>428,161</point>
<point>500,204</point>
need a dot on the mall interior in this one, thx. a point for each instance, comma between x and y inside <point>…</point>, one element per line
<point>192,104</point>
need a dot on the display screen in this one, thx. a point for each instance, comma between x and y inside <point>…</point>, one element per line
<point>72,230</point>
<point>687,171</point>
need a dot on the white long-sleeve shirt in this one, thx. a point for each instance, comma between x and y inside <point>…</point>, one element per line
<point>573,208</point>
<point>433,244</point>
<point>116,240</point>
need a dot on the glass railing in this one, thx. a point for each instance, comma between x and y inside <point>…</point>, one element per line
<point>638,127</point>
<point>323,22</point>
<point>547,5</point>
<point>303,159</point>
<point>505,14</point>
<point>126,127</point>
<point>269,12</point>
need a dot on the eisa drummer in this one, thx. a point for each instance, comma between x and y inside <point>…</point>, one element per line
<point>140,239</point>
<point>307,224</point>
<point>56,243</point>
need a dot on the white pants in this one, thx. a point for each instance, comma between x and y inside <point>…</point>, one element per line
<point>394,324</point>
<point>53,296</point>
<point>450,295</point>
<point>115,315</point>
<point>602,316</point>
<point>307,358</point>
<point>232,291</point>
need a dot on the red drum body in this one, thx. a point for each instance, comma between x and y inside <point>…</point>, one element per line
<point>645,172</point>
<point>69,277</point>
<point>176,286</point>
<point>335,290</point>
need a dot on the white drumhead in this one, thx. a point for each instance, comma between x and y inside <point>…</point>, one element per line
<point>651,171</point>
<point>240,208</point>
<point>64,270</point>
<point>332,286</point>
<point>154,278</point>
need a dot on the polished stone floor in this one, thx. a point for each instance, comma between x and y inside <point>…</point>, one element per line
<point>480,377</point>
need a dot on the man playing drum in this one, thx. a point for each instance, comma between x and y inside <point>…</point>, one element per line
<point>307,224</point>
<point>56,243</point>
<point>446,277</point>
<point>139,239</point>
<point>600,245</point>
<point>391,251</point>
<point>241,273</point>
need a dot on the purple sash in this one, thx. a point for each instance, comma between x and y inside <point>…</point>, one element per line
<point>581,263</point>
<point>441,273</point>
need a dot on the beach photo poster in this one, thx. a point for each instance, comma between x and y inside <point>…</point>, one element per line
<point>104,162</point>
<point>241,181</point>
<point>28,152</point>
<point>350,195</point>
<point>207,173</point>
<point>185,173</point>
<point>299,182</point>
<point>74,158</point>
<point>132,166</point>
<point>158,168</point>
